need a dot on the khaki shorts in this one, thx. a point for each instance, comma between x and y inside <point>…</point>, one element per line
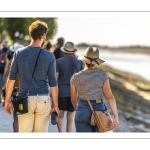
<point>37,119</point>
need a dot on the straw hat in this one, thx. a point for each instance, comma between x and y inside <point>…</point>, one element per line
<point>68,48</point>
<point>91,56</point>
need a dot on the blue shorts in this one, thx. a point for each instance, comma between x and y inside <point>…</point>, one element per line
<point>83,116</point>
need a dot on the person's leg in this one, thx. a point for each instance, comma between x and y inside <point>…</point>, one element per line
<point>62,104</point>
<point>26,121</point>
<point>15,117</point>
<point>70,121</point>
<point>0,94</point>
<point>82,127</point>
<point>15,123</point>
<point>1,86</point>
<point>83,117</point>
<point>42,114</point>
<point>60,121</point>
<point>70,115</point>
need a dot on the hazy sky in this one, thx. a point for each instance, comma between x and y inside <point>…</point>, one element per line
<point>103,28</point>
<point>111,31</point>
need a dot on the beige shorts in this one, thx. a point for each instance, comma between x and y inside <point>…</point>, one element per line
<point>37,119</point>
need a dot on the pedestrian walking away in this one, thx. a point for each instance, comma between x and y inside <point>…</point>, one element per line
<point>47,45</point>
<point>43,83</point>
<point>3,57</point>
<point>65,68</point>
<point>16,84</point>
<point>96,85</point>
<point>56,49</point>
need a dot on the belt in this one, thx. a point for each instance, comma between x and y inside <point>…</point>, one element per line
<point>95,101</point>
<point>42,95</point>
<point>39,95</point>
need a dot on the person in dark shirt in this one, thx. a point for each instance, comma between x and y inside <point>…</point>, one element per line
<point>57,51</point>
<point>47,45</point>
<point>3,57</point>
<point>16,84</point>
<point>65,68</point>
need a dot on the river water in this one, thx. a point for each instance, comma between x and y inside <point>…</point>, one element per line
<point>135,63</point>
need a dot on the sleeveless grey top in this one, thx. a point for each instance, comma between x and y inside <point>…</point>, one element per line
<point>92,81</point>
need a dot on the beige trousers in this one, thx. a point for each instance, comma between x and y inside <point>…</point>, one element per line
<point>37,119</point>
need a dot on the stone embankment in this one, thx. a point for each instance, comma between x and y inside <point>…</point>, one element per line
<point>132,94</point>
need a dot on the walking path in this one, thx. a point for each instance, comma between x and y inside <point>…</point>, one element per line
<point>6,124</point>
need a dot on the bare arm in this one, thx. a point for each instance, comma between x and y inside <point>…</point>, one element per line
<point>54,96</point>
<point>9,89</point>
<point>73,96</point>
<point>111,101</point>
<point>57,75</point>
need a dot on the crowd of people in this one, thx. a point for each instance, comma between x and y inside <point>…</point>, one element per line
<point>53,87</point>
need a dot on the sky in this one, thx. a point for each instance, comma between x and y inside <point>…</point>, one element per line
<point>102,28</point>
<point>110,31</point>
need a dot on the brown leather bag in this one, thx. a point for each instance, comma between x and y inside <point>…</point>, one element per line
<point>102,119</point>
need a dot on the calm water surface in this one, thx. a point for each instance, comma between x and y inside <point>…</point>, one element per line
<point>138,64</point>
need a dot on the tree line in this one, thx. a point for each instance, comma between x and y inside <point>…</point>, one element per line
<point>17,28</point>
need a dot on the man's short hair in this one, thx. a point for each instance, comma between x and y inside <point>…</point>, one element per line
<point>47,45</point>
<point>37,29</point>
<point>61,40</point>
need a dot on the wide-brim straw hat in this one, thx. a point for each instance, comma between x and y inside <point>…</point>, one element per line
<point>91,56</point>
<point>68,48</point>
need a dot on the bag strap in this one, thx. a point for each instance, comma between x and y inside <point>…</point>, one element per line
<point>35,67</point>
<point>85,94</point>
<point>35,64</point>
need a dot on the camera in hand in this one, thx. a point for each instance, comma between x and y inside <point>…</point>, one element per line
<point>54,118</point>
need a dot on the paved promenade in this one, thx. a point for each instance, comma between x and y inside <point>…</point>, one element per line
<point>6,124</point>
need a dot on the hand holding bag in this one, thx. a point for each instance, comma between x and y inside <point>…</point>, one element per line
<point>100,118</point>
<point>20,104</point>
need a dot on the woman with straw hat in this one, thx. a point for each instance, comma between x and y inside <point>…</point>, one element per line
<point>95,83</point>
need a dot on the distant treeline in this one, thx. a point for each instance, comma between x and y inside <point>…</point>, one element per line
<point>115,47</point>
